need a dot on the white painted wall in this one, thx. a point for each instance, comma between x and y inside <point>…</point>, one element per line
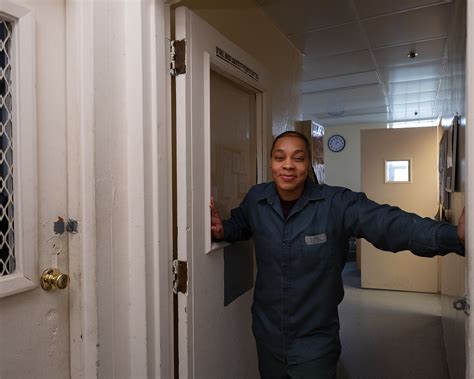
<point>344,168</point>
<point>120,117</point>
<point>81,188</point>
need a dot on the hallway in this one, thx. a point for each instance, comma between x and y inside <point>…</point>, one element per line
<point>390,334</point>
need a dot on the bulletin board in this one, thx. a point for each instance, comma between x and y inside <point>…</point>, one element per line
<point>447,169</point>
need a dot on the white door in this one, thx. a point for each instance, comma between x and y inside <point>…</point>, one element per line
<point>221,119</point>
<point>35,333</point>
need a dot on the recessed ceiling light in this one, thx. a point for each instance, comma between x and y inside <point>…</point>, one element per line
<point>336,113</point>
<point>335,108</point>
<point>412,54</point>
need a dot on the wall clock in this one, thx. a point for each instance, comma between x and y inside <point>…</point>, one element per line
<point>336,143</point>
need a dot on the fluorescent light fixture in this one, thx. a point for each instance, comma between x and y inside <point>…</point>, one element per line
<point>413,123</point>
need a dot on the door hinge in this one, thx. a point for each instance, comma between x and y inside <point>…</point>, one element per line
<point>180,276</point>
<point>178,57</point>
<point>463,304</point>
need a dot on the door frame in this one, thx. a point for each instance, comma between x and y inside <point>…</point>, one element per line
<point>469,200</point>
<point>143,267</point>
<point>25,181</point>
<point>158,190</point>
<point>81,188</point>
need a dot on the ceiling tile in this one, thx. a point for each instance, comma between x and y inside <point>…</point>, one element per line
<point>412,111</point>
<point>342,81</point>
<point>402,116</point>
<point>340,78</point>
<point>361,116</point>
<point>341,39</point>
<point>418,71</point>
<point>412,107</point>
<point>344,100</point>
<point>412,86</point>
<point>340,64</point>
<point>369,8</point>
<point>355,112</point>
<point>296,16</point>
<point>398,55</point>
<point>447,94</point>
<point>425,23</point>
<point>413,97</point>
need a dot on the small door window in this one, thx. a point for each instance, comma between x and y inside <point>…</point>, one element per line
<point>398,171</point>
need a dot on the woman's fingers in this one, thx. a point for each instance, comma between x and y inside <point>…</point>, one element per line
<point>214,212</point>
<point>217,229</point>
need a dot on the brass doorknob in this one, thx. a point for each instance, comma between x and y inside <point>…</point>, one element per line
<point>53,278</point>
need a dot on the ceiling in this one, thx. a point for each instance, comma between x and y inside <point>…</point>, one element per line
<point>356,64</point>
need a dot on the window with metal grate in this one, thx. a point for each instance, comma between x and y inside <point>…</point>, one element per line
<point>7,247</point>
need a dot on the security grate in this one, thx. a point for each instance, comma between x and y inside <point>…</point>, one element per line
<point>7,247</point>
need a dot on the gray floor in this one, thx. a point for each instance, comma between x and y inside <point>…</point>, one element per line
<point>390,334</point>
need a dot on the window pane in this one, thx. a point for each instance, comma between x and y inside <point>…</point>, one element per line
<point>233,143</point>
<point>397,171</point>
<point>7,253</point>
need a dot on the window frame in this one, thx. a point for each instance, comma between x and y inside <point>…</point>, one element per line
<point>410,171</point>
<point>24,144</point>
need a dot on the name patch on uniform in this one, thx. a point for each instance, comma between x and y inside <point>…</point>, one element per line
<point>313,240</point>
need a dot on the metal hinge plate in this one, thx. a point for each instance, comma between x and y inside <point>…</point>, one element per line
<point>463,304</point>
<point>178,57</point>
<point>180,276</point>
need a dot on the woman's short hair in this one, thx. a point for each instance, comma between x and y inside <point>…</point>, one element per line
<point>293,133</point>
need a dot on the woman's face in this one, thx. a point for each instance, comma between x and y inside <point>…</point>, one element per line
<point>289,164</point>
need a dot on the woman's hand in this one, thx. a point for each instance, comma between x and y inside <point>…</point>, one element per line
<point>217,230</point>
<point>461,228</point>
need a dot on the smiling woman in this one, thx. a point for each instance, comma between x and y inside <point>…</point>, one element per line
<point>301,232</point>
<point>290,162</point>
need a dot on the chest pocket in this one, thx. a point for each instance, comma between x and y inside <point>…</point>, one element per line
<point>317,253</point>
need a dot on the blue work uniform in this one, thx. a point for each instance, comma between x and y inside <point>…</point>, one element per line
<point>300,259</point>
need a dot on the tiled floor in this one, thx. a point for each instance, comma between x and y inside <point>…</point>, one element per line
<point>390,334</point>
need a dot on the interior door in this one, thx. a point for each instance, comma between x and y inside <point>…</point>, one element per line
<point>34,324</point>
<point>383,181</point>
<point>221,116</point>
